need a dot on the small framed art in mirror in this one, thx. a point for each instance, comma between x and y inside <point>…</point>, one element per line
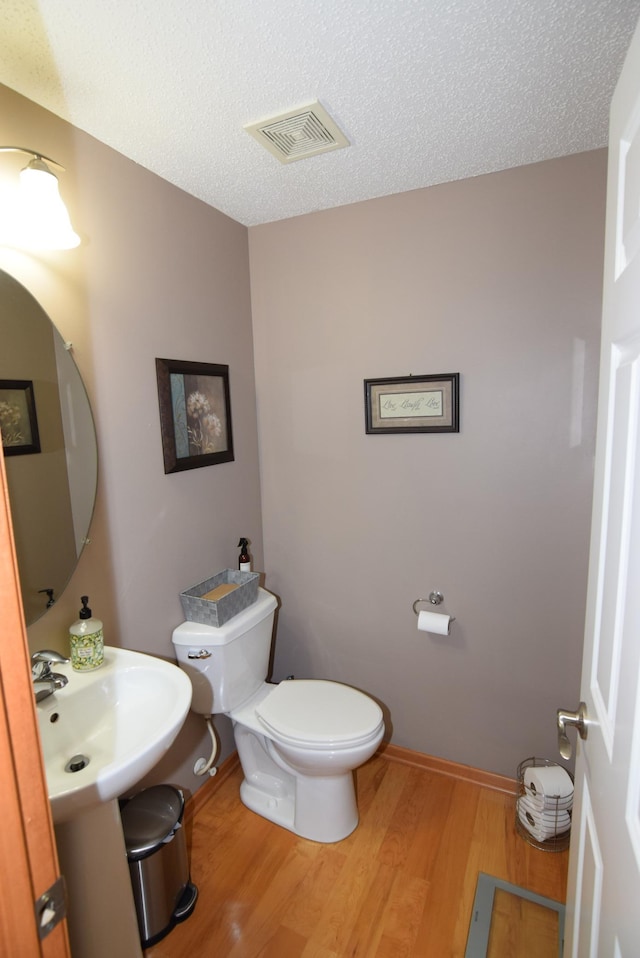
<point>18,419</point>
<point>195,414</point>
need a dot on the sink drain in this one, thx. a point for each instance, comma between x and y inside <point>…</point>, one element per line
<point>77,763</point>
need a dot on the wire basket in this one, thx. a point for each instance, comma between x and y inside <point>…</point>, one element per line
<point>544,803</point>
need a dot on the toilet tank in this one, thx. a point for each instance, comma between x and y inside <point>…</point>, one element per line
<point>228,664</point>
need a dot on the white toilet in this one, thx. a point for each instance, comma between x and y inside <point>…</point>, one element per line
<point>298,741</point>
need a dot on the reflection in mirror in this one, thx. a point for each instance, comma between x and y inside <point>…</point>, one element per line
<point>51,491</point>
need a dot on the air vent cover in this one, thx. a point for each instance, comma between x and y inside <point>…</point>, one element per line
<point>294,135</point>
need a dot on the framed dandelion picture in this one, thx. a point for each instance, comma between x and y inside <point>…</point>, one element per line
<point>18,420</point>
<point>195,414</point>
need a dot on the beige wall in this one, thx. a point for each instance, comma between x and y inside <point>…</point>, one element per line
<point>497,278</point>
<point>159,274</point>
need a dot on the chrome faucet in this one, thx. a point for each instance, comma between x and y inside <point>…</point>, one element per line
<point>46,682</point>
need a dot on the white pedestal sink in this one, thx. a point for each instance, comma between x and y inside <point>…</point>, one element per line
<point>115,722</point>
<point>100,735</point>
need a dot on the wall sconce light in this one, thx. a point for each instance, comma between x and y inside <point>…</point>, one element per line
<point>37,217</point>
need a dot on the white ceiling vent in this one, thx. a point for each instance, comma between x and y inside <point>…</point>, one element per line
<point>307,131</point>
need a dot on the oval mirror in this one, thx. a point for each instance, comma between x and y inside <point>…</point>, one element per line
<point>49,444</point>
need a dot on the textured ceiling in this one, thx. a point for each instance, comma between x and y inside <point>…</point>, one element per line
<point>426,91</point>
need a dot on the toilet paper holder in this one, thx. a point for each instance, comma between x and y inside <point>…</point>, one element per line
<point>435,598</point>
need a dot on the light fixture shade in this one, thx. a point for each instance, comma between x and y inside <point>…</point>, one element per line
<point>41,218</point>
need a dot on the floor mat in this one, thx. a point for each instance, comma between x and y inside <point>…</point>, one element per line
<point>510,922</point>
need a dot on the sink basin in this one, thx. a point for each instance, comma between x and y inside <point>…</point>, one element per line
<point>106,729</point>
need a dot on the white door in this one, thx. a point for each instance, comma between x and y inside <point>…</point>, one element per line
<point>603,904</point>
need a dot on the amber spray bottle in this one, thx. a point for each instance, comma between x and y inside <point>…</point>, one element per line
<point>244,562</point>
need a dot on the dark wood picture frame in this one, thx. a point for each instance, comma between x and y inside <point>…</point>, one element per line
<point>412,404</point>
<point>195,414</point>
<point>18,419</point>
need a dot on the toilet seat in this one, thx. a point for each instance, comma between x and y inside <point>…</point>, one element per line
<point>318,713</point>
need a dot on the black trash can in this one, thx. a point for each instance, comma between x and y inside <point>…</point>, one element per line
<point>158,861</point>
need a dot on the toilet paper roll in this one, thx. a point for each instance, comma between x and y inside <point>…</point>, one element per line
<point>546,813</point>
<point>548,780</point>
<point>542,802</point>
<point>541,829</point>
<point>435,622</point>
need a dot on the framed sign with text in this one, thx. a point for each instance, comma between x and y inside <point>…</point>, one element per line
<point>412,404</point>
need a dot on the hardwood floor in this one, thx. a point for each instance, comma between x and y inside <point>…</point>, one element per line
<point>401,886</point>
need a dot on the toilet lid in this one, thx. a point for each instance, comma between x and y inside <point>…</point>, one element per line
<point>314,710</point>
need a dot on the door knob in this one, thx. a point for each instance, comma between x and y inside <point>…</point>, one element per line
<point>579,719</point>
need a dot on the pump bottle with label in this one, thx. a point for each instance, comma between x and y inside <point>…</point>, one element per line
<point>86,639</point>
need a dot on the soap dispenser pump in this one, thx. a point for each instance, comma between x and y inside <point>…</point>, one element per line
<point>87,640</point>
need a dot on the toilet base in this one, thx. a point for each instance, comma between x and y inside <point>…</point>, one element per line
<point>277,810</point>
<point>322,810</point>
